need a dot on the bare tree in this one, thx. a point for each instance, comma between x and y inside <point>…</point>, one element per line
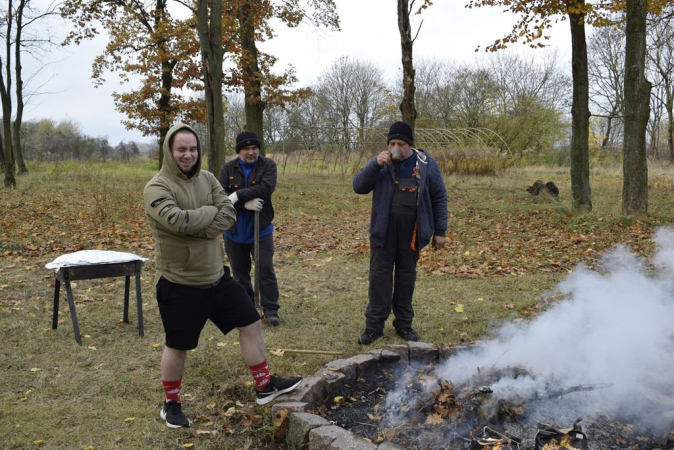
<point>606,69</point>
<point>661,62</point>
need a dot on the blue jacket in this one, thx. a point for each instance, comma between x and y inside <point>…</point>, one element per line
<point>432,199</point>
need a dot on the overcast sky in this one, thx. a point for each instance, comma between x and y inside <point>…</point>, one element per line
<point>369,32</point>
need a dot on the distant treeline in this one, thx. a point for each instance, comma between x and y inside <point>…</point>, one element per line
<point>48,140</point>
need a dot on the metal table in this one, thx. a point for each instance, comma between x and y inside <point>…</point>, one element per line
<point>91,271</point>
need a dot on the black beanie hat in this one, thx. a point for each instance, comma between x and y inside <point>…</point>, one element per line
<point>246,138</point>
<point>402,131</point>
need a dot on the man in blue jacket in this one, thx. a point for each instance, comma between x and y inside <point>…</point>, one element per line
<point>409,209</point>
<point>250,180</point>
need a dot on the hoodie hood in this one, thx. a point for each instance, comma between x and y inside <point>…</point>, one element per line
<point>169,164</point>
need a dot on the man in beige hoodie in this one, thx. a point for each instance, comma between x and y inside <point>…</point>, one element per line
<point>187,210</point>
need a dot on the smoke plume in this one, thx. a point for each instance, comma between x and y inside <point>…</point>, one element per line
<point>615,327</point>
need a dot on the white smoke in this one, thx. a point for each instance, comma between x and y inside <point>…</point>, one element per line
<point>615,326</point>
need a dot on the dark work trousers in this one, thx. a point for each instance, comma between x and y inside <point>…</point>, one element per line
<point>393,272</point>
<point>240,257</point>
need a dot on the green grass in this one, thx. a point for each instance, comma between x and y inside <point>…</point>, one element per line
<point>507,251</point>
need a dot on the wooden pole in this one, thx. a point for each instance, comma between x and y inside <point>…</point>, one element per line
<point>315,352</point>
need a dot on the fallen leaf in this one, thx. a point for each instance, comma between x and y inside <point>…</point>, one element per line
<point>210,406</point>
<point>338,399</point>
<point>221,344</point>
<point>434,419</point>
<point>479,299</point>
<point>156,345</point>
<point>276,352</point>
<point>129,419</point>
<point>279,417</point>
<point>247,420</point>
<point>35,369</point>
<point>190,445</point>
<point>38,442</point>
<point>459,308</point>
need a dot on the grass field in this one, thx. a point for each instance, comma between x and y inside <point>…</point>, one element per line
<point>506,253</point>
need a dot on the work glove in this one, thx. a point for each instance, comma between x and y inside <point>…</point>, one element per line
<point>254,204</point>
<point>233,197</point>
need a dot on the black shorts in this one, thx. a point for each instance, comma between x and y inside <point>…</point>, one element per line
<point>185,309</point>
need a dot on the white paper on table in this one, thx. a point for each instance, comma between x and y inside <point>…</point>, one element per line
<point>92,257</point>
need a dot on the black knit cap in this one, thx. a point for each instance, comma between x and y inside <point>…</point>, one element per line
<point>402,131</point>
<point>246,138</point>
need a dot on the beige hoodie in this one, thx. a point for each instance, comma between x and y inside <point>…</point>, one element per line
<point>187,213</point>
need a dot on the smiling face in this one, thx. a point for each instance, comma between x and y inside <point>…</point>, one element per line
<point>249,153</point>
<point>185,150</point>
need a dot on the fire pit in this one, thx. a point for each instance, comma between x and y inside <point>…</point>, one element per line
<point>602,352</point>
<point>393,397</point>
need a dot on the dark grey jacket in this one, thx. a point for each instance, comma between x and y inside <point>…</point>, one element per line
<point>261,184</point>
<point>432,199</point>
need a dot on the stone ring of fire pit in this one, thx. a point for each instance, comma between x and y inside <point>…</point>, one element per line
<point>317,433</point>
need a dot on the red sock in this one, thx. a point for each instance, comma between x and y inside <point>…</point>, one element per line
<point>261,375</point>
<point>172,390</point>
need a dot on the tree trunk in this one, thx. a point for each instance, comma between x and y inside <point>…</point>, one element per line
<point>580,117</point>
<point>5,98</point>
<point>407,107</point>
<point>637,110</point>
<point>209,28</point>
<point>16,134</point>
<point>669,106</point>
<point>252,86</point>
<point>166,113</point>
<point>607,136</point>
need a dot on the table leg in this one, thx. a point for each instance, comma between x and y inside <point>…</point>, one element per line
<point>73,314</point>
<point>139,302</point>
<point>57,291</point>
<point>126,299</point>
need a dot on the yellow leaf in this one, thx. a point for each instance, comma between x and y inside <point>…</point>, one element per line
<point>190,445</point>
<point>221,344</point>
<point>479,299</point>
<point>236,344</point>
<point>210,406</point>
<point>466,254</point>
<point>459,308</point>
<point>249,383</point>
<point>156,345</point>
<point>28,392</point>
<point>239,404</point>
<point>339,399</point>
<point>90,447</point>
<point>91,347</point>
<point>129,419</point>
<point>35,369</point>
<point>276,352</point>
<point>38,442</point>
<point>23,399</point>
<point>380,439</point>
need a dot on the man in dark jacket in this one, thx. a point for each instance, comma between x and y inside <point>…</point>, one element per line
<point>409,209</point>
<point>187,210</point>
<point>250,180</point>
